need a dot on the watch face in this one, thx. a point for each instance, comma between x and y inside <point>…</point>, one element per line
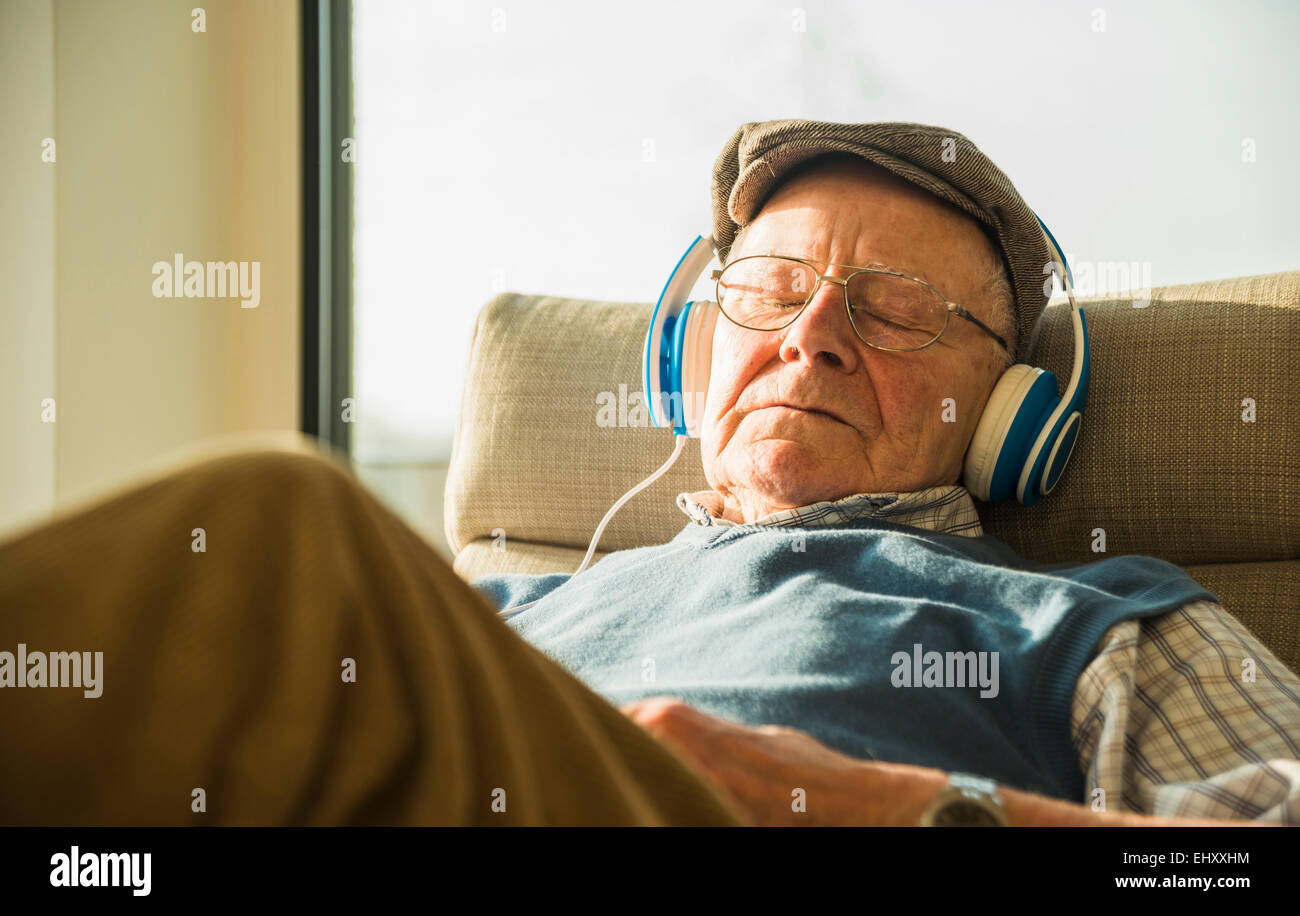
<point>961,813</point>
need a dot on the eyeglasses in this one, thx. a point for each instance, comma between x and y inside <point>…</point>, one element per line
<point>888,310</point>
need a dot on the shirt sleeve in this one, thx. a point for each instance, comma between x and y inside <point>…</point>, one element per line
<point>1189,715</point>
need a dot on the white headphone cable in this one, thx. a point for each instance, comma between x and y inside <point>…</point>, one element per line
<point>600,529</point>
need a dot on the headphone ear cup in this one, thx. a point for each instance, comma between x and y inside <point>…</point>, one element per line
<point>697,361</point>
<point>669,349</point>
<point>1020,403</point>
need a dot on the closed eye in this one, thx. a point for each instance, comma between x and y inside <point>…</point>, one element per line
<point>863,311</point>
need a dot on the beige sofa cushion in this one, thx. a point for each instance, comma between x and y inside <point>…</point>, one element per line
<point>1164,463</point>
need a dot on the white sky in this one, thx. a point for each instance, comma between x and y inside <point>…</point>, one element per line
<point>517,155</point>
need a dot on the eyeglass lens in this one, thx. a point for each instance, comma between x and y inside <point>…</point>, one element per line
<point>766,293</point>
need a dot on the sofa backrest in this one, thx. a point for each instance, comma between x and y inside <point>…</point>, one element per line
<point>1167,463</point>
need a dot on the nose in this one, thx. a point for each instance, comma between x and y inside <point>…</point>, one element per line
<point>822,332</point>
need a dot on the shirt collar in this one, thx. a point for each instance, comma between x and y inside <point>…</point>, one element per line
<point>947,509</point>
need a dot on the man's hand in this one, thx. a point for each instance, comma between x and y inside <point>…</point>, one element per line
<point>780,776</point>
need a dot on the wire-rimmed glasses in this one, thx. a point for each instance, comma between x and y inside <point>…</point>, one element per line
<point>888,310</point>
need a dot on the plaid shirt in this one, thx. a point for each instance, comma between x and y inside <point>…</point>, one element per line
<point>1164,720</point>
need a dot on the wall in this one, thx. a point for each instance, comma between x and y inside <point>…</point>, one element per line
<point>168,141</point>
<point>27,480</point>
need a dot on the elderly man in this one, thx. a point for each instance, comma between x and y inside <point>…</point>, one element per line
<point>277,647</point>
<point>838,585</point>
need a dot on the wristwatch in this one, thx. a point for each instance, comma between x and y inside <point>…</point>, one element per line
<point>966,801</point>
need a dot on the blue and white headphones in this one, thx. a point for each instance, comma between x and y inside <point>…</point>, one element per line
<point>1021,445</point>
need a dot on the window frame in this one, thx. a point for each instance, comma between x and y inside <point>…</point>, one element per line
<point>327,205</point>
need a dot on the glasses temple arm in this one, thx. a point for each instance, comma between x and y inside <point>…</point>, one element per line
<point>953,306</point>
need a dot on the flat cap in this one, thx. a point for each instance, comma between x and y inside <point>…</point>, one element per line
<point>940,160</point>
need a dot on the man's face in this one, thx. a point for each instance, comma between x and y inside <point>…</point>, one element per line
<point>760,455</point>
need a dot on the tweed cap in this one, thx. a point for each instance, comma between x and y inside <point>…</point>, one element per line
<point>940,160</point>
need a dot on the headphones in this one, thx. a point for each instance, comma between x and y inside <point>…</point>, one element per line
<point>1023,441</point>
<point>1021,445</point>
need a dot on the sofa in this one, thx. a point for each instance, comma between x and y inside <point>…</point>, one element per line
<point>1189,448</point>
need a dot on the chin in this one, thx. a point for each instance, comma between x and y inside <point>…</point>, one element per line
<point>795,471</point>
<point>783,449</point>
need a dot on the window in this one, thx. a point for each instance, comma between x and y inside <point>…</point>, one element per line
<point>565,148</point>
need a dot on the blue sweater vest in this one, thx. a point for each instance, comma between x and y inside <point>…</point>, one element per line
<point>883,641</point>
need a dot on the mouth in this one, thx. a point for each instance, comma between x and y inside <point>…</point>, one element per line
<point>811,411</point>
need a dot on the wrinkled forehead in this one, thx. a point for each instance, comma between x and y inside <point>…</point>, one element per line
<point>843,209</point>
